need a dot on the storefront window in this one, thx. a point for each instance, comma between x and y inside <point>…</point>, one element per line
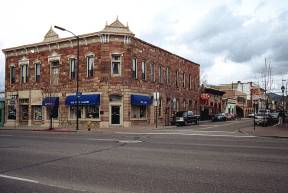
<point>11,112</point>
<point>37,112</point>
<point>73,110</point>
<point>138,111</point>
<point>92,112</point>
<point>85,112</point>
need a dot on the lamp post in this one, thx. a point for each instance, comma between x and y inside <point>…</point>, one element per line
<point>77,75</point>
<point>283,89</point>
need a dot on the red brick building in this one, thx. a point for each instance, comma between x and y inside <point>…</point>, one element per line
<point>211,102</point>
<point>118,74</point>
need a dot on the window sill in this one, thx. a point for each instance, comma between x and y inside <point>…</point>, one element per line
<point>139,119</point>
<point>81,119</point>
<point>115,75</point>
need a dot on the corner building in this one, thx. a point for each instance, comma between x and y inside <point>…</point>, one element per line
<point>118,74</point>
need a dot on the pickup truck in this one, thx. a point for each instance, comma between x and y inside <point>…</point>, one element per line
<point>186,117</point>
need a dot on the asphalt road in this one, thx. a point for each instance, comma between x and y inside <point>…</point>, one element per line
<point>212,157</point>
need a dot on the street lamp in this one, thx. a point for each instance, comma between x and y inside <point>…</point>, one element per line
<point>283,89</point>
<point>77,75</point>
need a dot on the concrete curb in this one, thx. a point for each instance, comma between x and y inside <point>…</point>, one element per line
<point>259,135</point>
<point>31,129</point>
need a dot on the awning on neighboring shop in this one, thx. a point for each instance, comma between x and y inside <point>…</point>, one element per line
<point>50,101</point>
<point>89,99</point>
<point>140,100</point>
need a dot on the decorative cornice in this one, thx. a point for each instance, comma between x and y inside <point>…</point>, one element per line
<point>51,35</point>
<point>117,28</point>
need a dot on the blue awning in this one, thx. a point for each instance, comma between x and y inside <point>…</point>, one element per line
<point>50,101</point>
<point>140,100</point>
<point>89,99</point>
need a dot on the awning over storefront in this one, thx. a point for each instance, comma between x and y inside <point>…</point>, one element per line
<point>90,99</point>
<point>50,101</point>
<point>140,100</point>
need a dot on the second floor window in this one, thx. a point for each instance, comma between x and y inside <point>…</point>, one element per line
<point>167,75</point>
<point>55,72</point>
<point>24,73</point>
<point>72,63</point>
<point>37,72</point>
<point>176,78</point>
<point>143,71</point>
<point>190,82</point>
<point>134,68</point>
<point>12,74</point>
<point>90,66</point>
<point>160,73</point>
<point>184,80</point>
<point>152,77</point>
<point>116,64</point>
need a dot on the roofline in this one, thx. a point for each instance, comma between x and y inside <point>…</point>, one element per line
<point>219,92</point>
<point>43,43</point>
<point>142,41</point>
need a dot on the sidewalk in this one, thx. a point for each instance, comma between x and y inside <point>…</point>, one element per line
<point>134,129</point>
<point>278,131</point>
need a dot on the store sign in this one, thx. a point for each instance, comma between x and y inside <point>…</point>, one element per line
<point>204,96</point>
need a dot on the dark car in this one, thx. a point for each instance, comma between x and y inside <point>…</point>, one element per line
<point>186,117</point>
<point>275,116</point>
<point>267,119</point>
<point>219,117</point>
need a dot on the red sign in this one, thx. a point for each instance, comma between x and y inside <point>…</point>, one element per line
<point>204,96</point>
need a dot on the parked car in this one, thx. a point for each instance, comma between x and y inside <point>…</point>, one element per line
<point>275,117</point>
<point>263,111</point>
<point>267,119</point>
<point>219,117</point>
<point>186,117</point>
<point>251,115</point>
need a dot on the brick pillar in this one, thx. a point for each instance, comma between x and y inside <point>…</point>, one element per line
<point>30,110</point>
<point>17,112</point>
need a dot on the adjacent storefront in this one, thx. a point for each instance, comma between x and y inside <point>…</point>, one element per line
<point>89,106</point>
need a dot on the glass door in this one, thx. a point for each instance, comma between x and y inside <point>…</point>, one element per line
<point>115,115</point>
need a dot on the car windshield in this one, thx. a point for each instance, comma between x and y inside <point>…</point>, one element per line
<point>180,114</point>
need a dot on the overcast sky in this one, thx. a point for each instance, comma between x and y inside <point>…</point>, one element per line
<point>229,39</point>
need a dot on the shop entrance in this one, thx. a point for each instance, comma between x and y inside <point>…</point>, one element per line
<point>115,110</point>
<point>115,115</point>
<point>24,114</point>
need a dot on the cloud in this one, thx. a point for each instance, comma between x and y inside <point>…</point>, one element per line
<point>229,39</point>
<point>242,41</point>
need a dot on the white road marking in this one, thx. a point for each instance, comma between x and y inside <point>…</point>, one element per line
<point>188,134</point>
<point>6,135</point>
<point>19,179</point>
<point>115,140</point>
<point>37,182</point>
<point>200,131</point>
<point>129,141</point>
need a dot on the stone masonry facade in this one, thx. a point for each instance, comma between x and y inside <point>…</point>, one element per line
<point>156,70</point>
